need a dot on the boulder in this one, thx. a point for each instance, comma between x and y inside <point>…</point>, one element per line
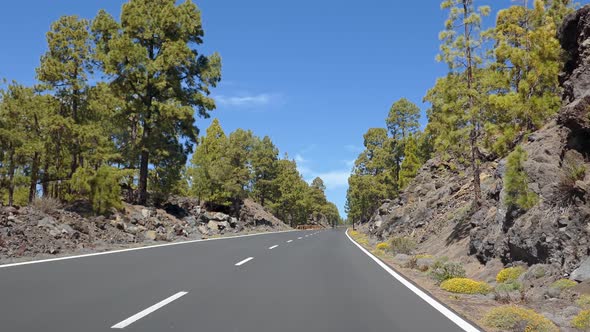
<point>213,226</point>
<point>204,230</point>
<point>220,217</point>
<point>401,259</point>
<point>424,264</point>
<point>582,273</point>
<point>151,235</point>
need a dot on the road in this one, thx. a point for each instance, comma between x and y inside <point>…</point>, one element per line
<point>290,281</point>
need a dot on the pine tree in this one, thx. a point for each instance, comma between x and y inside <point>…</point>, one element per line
<point>64,71</point>
<point>401,122</point>
<point>462,40</point>
<point>209,170</point>
<point>153,66</point>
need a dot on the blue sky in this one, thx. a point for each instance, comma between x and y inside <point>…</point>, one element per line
<point>313,75</point>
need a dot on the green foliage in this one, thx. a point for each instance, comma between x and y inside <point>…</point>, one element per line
<point>224,170</point>
<point>563,284</point>
<point>514,318</point>
<point>509,274</point>
<point>583,301</point>
<point>465,286</point>
<point>410,164</point>
<point>402,120</point>
<point>509,286</point>
<point>264,167</point>
<point>101,186</point>
<point>441,271</point>
<point>516,182</point>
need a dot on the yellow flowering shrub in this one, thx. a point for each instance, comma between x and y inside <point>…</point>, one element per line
<point>509,274</point>
<point>383,246</point>
<point>465,286</point>
<point>510,317</point>
<point>423,256</point>
<point>582,320</point>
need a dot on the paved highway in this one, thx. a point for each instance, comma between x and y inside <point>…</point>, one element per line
<point>290,281</point>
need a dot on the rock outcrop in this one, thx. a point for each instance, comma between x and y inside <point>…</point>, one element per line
<point>30,231</point>
<point>435,209</point>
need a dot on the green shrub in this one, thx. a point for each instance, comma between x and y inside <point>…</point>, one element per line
<point>584,301</point>
<point>582,320</point>
<point>402,245</point>
<point>516,187</point>
<point>513,318</point>
<point>562,284</point>
<point>509,274</point>
<point>441,271</point>
<point>465,286</point>
<point>508,287</point>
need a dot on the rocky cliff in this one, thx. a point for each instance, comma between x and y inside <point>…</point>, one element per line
<point>47,229</point>
<point>435,209</point>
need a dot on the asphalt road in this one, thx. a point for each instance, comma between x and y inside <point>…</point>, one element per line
<point>319,281</point>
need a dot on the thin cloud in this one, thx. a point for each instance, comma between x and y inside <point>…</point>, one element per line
<point>246,100</point>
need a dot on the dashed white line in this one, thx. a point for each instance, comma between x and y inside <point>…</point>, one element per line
<point>148,311</point>
<point>271,248</point>
<point>299,238</point>
<point>244,261</point>
<point>289,241</point>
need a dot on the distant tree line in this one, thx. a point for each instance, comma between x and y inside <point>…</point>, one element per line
<point>224,170</point>
<point>502,84</point>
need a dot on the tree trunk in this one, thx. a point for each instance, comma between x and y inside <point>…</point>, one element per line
<point>45,180</point>
<point>143,176</point>
<point>11,170</point>
<point>474,119</point>
<point>34,177</point>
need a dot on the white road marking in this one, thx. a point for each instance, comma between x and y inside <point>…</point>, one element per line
<point>289,241</point>
<point>148,311</point>
<point>299,238</point>
<point>244,261</point>
<point>466,326</point>
<point>132,249</point>
<point>271,248</point>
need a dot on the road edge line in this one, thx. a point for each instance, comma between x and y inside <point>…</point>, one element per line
<point>108,252</point>
<point>450,314</point>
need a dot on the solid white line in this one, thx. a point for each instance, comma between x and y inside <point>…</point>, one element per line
<point>132,249</point>
<point>289,241</point>
<point>434,303</point>
<point>244,261</point>
<point>271,248</point>
<point>148,311</point>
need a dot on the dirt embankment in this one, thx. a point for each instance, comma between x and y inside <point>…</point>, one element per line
<point>46,229</point>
